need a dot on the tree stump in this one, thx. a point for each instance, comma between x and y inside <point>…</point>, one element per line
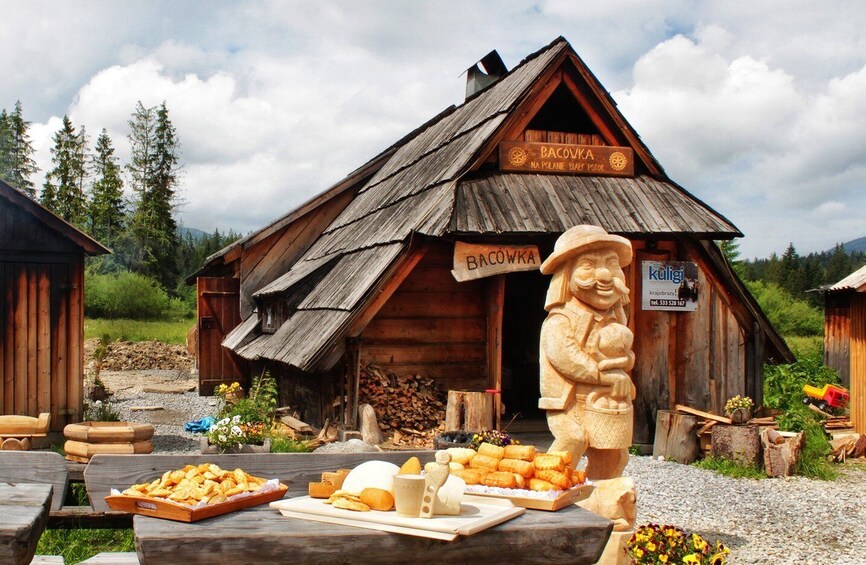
<point>470,411</point>
<point>738,443</point>
<point>781,452</point>
<point>676,437</point>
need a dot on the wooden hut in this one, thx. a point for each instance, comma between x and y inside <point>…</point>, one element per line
<point>845,339</point>
<point>363,272</point>
<point>42,310</point>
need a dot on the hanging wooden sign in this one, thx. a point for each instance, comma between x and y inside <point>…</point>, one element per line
<point>473,261</point>
<point>561,158</point>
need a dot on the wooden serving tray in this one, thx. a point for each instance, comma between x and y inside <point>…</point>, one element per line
<point>476,514</point>
<point>567,498</point>
<point>159,508</point>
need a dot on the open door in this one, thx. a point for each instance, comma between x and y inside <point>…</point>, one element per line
<point>218,314</point>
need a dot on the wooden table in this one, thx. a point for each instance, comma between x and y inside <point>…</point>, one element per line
<point>24,511</point>
<point>263,535</point>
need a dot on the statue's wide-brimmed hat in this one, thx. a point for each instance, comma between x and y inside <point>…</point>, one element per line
<point>585,238</point>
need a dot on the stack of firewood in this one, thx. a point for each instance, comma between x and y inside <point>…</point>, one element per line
<point>409,409</point>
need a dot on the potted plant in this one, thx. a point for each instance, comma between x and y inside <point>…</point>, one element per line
<point>235,435</point>
<point>739,409</point>
<point>654,544</point>
<point>243,423</point>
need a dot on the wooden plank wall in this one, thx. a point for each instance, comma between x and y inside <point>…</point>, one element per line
<point>41,347</point>
<point>837,334</point>
<point>857,387</point>
<point>432,325</point>
<point>218,314</point>
<point>265,261</point>
<point>693,358</point>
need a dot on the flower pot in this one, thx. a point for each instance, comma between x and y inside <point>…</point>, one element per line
<point>207,448</point>
<point>452,439</point>
<point>741,415</point>
<point>86,439</point>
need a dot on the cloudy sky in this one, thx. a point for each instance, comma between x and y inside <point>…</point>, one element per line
<point>755,107</point>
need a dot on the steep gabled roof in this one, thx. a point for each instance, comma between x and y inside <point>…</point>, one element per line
<point>418,187</point>
<point>55,223</point>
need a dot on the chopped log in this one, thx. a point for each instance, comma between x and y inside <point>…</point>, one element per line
<point>676,439</point>
<point>479,411</point>
<point>454,410</point>
<point>370,432</point>
<point>738,443</point>
<point>845,445</point>
<point>781,452</point>
<point>702,414</point>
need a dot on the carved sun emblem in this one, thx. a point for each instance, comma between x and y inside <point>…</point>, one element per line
<point>618,161</point>
<point>517,156</point>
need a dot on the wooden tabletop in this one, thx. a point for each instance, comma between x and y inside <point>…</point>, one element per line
<point>262,535</point>
<point>24,511</point>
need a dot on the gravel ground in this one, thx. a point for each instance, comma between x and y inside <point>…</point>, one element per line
<point>783,521</point>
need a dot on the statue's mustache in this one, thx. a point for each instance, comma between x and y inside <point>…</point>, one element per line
<point>617,283</point>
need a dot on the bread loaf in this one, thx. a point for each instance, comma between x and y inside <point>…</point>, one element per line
<point>377,499</point>
<point>523,468</point>
<point>539,485</point>
<point>502,479</point>
<point>490,450</point>
<point>522,452</point>
<point>472,476</point>
<point>484,462</point>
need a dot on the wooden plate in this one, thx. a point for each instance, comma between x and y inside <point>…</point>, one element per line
<point>158,508</point>
<point>567,498</point>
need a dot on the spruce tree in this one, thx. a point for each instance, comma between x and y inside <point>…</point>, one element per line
<point>839,266</point>
<point>16,151</point>
<point>63,192</point>
<point>154,171</point>
<point>107,209</point>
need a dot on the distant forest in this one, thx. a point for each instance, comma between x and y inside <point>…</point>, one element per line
<point>788,287</point>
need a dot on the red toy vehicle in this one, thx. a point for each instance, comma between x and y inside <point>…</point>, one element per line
<point>828,397</point>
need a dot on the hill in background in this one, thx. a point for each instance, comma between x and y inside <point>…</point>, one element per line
<point>858,244</point>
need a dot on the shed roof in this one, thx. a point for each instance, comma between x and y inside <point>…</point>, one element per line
<point>52,221</point>
<point>855,281</point>
<point>422,185</point>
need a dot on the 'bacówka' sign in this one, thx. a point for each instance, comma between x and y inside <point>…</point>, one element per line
<point>473,261</point>
<point>669,285</point>
<point>561,158</point>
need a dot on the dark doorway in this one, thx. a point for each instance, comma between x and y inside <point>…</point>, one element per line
<point>523,313</point>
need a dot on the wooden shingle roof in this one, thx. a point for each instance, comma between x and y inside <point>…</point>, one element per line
<point>855,281</point>
<point>419,186</point>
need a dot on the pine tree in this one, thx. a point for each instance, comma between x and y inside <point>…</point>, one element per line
<point>839,266</point>
<point>16,151</point>
<point>107,209</point>
<point>154,169</point>
<point>63,192</point>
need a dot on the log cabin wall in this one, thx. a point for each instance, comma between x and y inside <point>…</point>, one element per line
<point>263,262</point>
<point>41,320</point>
<point>693,358</point>
<point>857,371</point>
<point>837,334</point>
<point>432,325</point>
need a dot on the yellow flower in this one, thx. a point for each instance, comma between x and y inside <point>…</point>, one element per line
<point>651,546</point>
<point>718,559</point>
<point>638,552</point>
<point>692,558</point>
<point>663,558</point>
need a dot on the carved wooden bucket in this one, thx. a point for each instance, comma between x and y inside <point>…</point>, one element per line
<point>607,428</point>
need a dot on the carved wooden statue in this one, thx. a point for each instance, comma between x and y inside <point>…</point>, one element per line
<point>586,351</point>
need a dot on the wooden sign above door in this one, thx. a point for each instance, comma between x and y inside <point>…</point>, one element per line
<point>472,261</point>
<point>561,158</point>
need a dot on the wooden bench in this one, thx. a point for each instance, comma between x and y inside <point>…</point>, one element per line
<point>38,467</point>
<point>23,517</point>
<point>112,558</point>
<point>16,432</point>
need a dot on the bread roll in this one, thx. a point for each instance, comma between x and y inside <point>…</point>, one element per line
<point>578,476</point>
<point>548,462</point>
<point>502,479</point>
<point>484,462</point>
<point>490,450</point>
<point>523,468</point>
<point>520,480</point>
<point>471,476</point>
<point>539,485</point>
<point>566,456</point>
<point>462,455</point>
<point>522,452</point>
<point>335,479</point>
<point>558,478</point>
<point>377,499</point>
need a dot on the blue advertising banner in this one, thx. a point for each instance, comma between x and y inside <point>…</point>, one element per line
<point>669,285</point>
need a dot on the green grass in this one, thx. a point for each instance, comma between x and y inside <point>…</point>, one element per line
<point>284,444</point>
<point>730,468</point>
<point>76,545</point>
<point>138,330</point>
<point>805,345</point>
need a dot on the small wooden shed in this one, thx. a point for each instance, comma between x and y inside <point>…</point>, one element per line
<point>424,260</point>
<point>845,339</point>
<point>41,310</point>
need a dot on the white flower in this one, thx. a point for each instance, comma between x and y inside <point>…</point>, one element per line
<point>221,437</point>
<point>237,419</point>
<point>236,431</point>
<point>213,428</point>
<point>223,422</point>
<point>98,403</point>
